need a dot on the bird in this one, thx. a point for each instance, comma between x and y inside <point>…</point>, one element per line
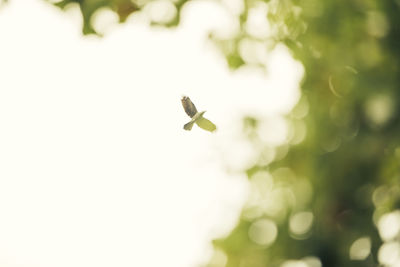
<point>197,117</point>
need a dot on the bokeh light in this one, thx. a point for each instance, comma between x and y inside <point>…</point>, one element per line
<point>263,232</point>
<point>389,253</point>
<point>360,249</point>
<point>300,224</point>
<point>389,225</point>
<point>104,20</point>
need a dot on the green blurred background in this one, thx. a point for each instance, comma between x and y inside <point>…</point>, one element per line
<point>331,196</point>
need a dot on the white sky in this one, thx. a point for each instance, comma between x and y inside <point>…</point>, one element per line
<point>95,168</point>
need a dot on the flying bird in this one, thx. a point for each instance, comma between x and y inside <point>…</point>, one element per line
<point>197,117</point>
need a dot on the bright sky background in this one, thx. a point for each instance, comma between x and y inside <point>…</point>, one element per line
<point>95,168</point>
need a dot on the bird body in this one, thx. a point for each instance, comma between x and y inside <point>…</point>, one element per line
<point>197,117</point>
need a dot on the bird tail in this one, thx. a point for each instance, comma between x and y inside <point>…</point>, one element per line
<point>188,126</point>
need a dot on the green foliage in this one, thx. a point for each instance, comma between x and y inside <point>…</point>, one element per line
<point>88,7</point>
<point>350,156</point>
<point>123,8</point>
<point>339,171</point>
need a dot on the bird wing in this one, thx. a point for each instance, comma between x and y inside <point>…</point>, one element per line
<point>206,124</point>
<point>188,106</point>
